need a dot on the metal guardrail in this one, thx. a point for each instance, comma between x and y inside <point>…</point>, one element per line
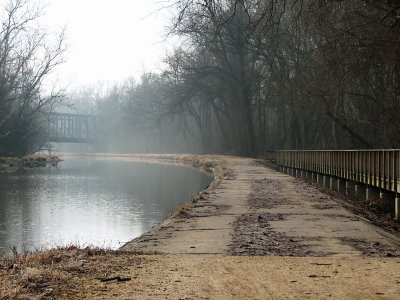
<point>377,168</point>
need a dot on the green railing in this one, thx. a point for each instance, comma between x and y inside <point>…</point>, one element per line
<point>378,168</point>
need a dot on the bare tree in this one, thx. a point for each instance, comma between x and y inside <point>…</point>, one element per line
<point>27,57</point>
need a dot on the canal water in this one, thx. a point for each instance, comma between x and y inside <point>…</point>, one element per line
<point>90,202</point>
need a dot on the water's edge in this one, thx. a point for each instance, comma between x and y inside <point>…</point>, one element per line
<point>210,165</point>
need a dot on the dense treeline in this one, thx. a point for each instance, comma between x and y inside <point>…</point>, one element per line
<point>28,54</point>
<point>266,74</point>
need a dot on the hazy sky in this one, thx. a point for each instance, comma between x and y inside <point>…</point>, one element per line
<point>108,40</point>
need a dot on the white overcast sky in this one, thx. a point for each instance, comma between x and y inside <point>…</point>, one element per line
<point>108,40</point>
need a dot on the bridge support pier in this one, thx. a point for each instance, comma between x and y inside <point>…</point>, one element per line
<point>320,179</point>
<point>310,176</point>
<point>387,201</point>
<point>350,188</point>
<point>397,209</point>
<point>360,191</point>
<point>371,193</point>
<point>341,186</point>
<point>333,183</point>
<point>326,181</point>
<point>314,177</point>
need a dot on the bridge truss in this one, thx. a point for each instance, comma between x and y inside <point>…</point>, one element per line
<point>71,128</point>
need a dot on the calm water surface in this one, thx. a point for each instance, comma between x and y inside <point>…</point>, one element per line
<point>90,202</point>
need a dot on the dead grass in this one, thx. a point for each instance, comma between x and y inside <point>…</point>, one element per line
<point>58,273</point>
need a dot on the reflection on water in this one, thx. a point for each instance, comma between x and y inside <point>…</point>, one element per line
<point>90,202</point>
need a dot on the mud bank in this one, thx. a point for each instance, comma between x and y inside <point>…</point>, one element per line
<point>12,164</point>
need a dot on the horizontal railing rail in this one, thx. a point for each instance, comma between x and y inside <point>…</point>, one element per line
<point>377,168</point>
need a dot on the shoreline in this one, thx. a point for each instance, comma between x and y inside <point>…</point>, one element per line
<point>211,164</point>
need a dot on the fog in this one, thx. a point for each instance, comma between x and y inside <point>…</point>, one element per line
<point>107,41</point>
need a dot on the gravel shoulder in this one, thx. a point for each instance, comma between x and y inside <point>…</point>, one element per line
<point>254,233</point>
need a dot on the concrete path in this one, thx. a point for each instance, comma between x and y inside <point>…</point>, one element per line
<point>307,217</point>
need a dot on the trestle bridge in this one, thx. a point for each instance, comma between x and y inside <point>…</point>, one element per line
<point>71,128</point>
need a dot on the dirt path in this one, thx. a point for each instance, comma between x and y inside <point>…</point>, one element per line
<point>230,277</point>
<point>254,233</point>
